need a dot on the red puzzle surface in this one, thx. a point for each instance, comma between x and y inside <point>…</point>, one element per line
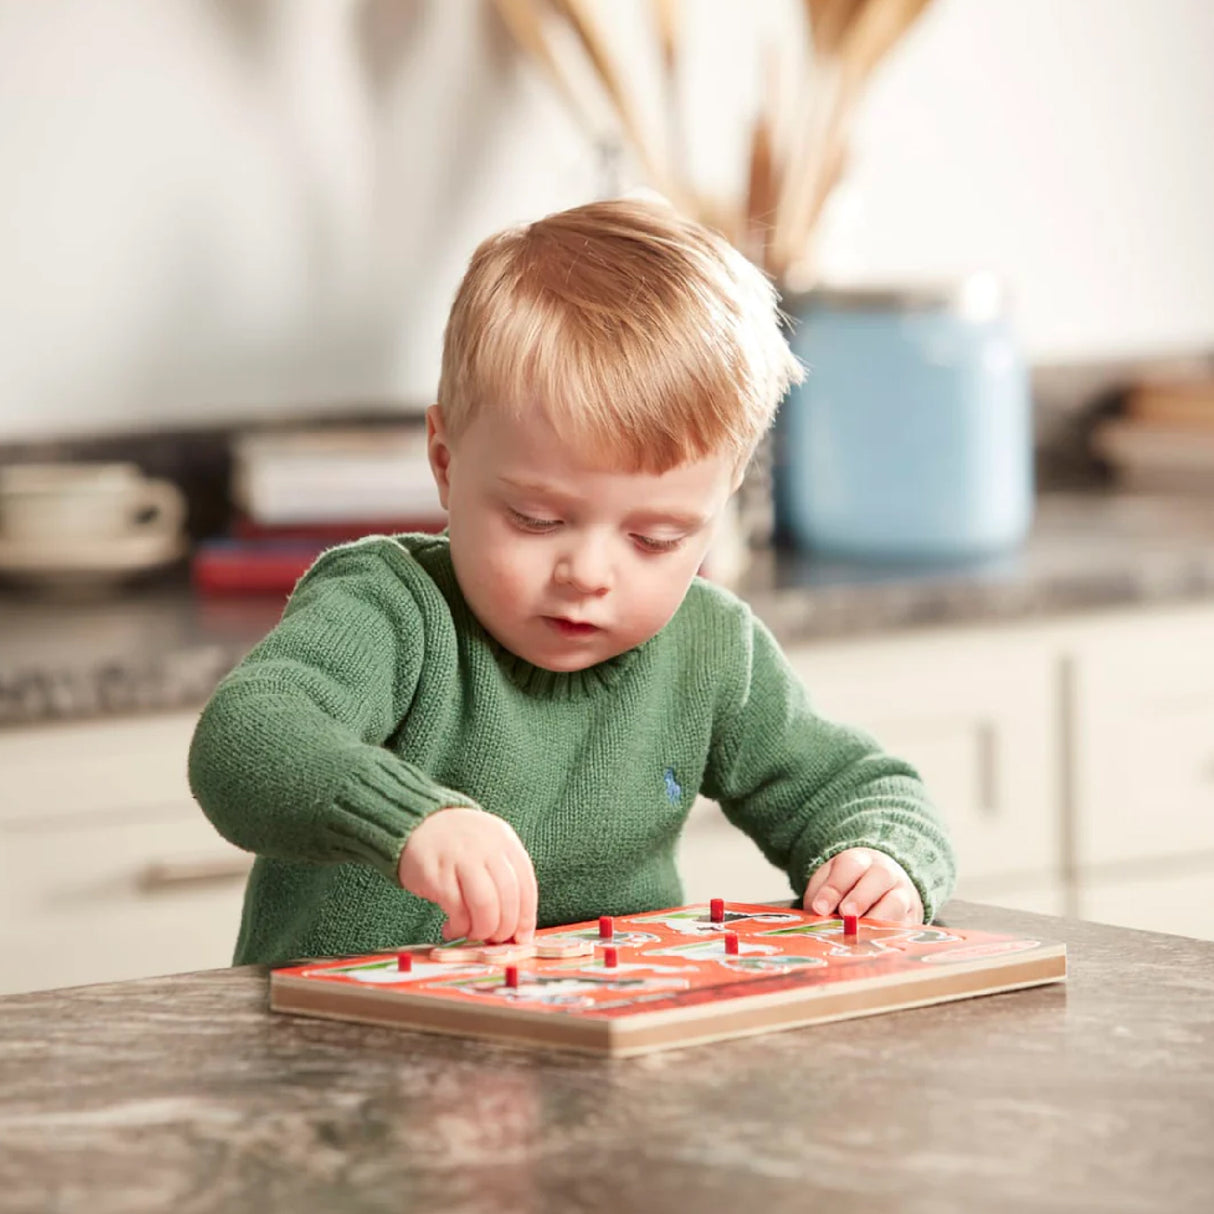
<point>676,959</point>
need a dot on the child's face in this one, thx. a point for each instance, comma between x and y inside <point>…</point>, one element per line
<point>564,561</point>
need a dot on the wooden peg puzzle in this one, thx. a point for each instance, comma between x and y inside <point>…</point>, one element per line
<point>668,978</point>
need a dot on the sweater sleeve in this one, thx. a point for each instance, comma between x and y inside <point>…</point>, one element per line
<point>288,758</point>
<point>806,788</point>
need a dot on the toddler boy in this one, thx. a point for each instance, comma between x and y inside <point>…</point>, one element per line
<point>504,726</point>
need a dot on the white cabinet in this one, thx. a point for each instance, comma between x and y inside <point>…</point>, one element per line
<point>1143,739</point>
<point>1181,903</point>
<point>108,869</point>
<point>1142,771</point>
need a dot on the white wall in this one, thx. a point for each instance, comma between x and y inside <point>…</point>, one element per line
<point>1065,144</point>
<point>216,208</point>
<point>210,209</point>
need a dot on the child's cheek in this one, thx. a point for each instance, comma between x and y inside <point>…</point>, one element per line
<point>514,572</point>
<point>657,595</point>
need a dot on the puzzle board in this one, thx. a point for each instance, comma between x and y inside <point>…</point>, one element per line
<point>674,984</point>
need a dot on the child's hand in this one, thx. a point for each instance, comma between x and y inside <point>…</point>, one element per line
<point>476,868</point>
<point>861,881</point>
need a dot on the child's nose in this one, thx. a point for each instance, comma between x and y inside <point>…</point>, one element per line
<point>585,569</point>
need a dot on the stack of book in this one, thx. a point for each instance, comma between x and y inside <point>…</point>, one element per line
<point>296,493</point>
<point>1164,439</point>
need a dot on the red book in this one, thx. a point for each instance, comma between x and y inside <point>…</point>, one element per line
<point>259,559</point>
<point>252,566</point>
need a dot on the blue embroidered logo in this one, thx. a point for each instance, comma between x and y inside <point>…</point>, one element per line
<point>673,791</point>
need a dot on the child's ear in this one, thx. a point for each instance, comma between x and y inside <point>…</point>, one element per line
<point>439,452</point>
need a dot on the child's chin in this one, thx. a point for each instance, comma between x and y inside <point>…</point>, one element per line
<point>567,663</point>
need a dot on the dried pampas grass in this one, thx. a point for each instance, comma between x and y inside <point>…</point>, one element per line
<point>798,150</point>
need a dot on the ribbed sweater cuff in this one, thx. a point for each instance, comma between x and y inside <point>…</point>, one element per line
<point>379,805</point>
<point>927,864</point>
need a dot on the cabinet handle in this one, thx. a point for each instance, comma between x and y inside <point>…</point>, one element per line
<point>988,769</point>
<point>161,875</point>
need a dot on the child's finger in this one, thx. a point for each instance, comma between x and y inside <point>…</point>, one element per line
<point>457,926</point>
<point>845,870</point>
<point>816,881</point>
<point>872,886</point>
<point>502,872</point>
<point>444,892</point>
<point>528,893</point>
<point>480,899</point>
<point>896,906</point>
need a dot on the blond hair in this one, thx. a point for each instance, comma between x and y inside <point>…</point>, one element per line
<point>643,336</point>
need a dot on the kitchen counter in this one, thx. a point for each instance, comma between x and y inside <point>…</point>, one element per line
<point>160,647</point>
<point>1087,551</point>
<point>185,1093</point>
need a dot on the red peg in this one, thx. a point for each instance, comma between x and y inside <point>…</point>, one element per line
<point>606,927</point>
<point>731,944</point>
<point>512,976</point>
<point>851,925</point>
<point>611,957</point>
<point>716,910</point>
<point>404,962</point>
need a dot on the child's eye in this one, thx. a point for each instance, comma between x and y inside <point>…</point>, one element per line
<point>529,523</point>
<point>648,544</point>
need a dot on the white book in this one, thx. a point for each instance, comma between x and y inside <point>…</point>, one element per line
<point>334,476</point>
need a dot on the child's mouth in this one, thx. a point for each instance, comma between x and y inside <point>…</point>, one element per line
<point>571,628</point>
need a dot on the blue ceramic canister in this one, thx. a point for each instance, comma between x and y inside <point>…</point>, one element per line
<point>911,437</point>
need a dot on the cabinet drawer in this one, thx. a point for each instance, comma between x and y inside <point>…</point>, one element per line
<point>190,931</point>
<point>114,896</point>
<point>1144,739</point>
<point>75,870</point>
<point>1182,905</point>
<point>96,766</point>
<point>975,714</point>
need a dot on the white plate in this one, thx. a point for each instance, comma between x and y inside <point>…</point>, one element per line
<point>76,560</point>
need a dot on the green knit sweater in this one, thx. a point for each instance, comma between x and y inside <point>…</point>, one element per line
<point>379,699</point>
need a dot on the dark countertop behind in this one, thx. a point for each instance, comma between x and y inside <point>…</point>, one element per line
<point>1087,551</point>
<point>185,1093</point>
<point>160,647</point>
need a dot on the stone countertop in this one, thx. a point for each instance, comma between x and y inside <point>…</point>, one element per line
<point>160,646</point>
<point>1087,551</point>
<point>185,1093</point>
